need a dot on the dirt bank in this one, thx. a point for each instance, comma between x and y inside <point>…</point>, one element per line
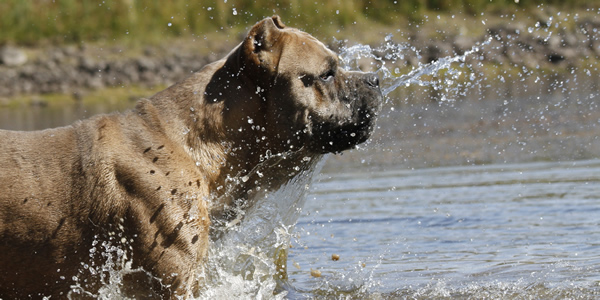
<point>76,69</point>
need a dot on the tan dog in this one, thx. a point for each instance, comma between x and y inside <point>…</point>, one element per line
<point>149,181</point>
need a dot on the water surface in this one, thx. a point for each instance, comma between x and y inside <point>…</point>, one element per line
<point>526,230</point>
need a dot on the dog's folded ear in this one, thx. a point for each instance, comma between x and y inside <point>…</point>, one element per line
<point>277,20</point>
<point>262,45</point>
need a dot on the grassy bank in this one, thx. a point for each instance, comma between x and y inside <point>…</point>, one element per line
<point>74,21</point>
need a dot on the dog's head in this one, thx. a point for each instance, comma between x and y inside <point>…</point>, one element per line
<point>306,99</point>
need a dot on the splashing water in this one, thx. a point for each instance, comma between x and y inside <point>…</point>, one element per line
<point>108,264</point>
<point>249,259</point>
<point>391,53</point>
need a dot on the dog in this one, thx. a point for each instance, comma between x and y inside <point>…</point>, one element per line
<point>150,181</point>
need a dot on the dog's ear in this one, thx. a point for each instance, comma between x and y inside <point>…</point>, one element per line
<point>262,46</point>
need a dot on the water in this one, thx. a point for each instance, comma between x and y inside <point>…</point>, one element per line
<point>246,256</point>
<point>393,53</point>
<point>519,230</point>
<point>489,192</point>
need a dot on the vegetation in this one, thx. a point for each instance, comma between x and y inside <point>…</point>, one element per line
<point>73,21</point>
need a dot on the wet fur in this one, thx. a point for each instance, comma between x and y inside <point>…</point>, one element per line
<point>149,181</point>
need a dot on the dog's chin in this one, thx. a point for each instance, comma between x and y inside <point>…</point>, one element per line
<point>329,139</point>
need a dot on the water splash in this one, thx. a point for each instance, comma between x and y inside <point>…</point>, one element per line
<point>391,54</point>
<point>249,258</point>
<point>108,264</point>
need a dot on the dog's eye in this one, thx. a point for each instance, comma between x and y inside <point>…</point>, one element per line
<point>327,76</point>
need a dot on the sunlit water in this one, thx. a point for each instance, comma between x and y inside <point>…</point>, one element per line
<point>480,231</point>
<point>526,230</point>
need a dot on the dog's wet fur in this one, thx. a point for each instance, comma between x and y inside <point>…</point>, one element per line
<point>151,180</point>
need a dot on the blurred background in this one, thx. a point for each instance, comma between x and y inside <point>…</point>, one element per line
<point>71,21</point>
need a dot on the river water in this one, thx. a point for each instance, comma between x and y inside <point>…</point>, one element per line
<point>492,231</point>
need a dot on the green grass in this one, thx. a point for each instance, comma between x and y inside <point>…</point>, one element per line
<point>73,21</point>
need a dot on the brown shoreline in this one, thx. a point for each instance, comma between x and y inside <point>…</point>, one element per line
<point>74,69</point>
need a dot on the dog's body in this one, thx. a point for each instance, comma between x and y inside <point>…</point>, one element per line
<point>149,181</point>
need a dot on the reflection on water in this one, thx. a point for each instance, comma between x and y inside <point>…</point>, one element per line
<point>528,230</point>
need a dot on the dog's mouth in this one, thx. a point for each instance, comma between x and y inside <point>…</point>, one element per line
<point>335,137</point>
<point>335,133</point>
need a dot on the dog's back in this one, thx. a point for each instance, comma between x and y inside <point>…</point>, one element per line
<point>37,232</point>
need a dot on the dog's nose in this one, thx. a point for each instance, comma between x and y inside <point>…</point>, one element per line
<point>373,80</point>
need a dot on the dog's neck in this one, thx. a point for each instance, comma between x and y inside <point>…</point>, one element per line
<point>269,175</point>
<point>198,118</point>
